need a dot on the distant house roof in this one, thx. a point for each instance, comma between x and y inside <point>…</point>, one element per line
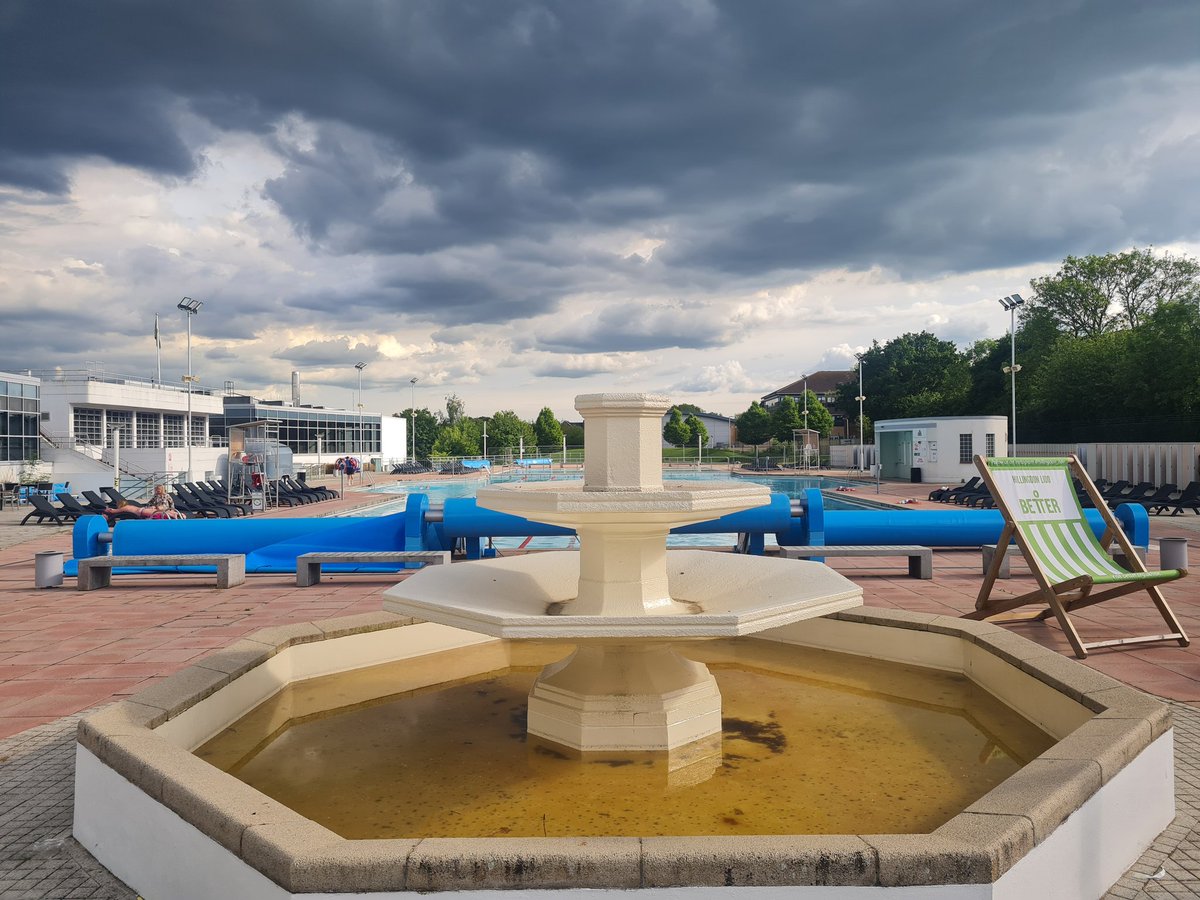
<point>825,382</point>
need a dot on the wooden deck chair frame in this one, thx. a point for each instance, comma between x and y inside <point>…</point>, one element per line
<point>1063,596</point>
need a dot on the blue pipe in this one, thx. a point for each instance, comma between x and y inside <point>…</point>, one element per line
<point>958,527</point>
<point>272,545</point>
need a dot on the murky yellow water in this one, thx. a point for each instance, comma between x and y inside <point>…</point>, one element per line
<point>814,742</point>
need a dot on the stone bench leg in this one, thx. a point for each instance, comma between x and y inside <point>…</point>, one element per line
<point>231,572</point>
<point>92,578</point>
<point>307,573</point>
<point>989,551</point>
<point>1120,559</point>
<point>921,565</point>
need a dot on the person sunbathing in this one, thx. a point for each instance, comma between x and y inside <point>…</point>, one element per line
<point>161,506</point>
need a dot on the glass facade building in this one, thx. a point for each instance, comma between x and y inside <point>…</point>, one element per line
<point>20,411</point>
<point>299,426</point>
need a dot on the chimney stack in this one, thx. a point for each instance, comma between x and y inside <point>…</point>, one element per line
<point>295,388</point>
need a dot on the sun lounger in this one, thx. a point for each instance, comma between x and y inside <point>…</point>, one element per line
<point>1189,498</point>
<point>43,509</point>
<point>1043,515</point>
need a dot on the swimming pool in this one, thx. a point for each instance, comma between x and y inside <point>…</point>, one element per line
<point>438,491</point>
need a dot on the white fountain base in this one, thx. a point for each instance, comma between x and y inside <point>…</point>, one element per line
<point>625,697</point>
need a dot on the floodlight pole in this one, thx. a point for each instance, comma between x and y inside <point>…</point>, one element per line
<point>806,421</point>
<point>412,405</point>
<point>360,366</point>
<point>1011,303</point>
<point>190,307</point>
<point>860,398</point>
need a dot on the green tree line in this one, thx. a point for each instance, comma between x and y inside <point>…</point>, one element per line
<point>1108,348</point>
<point>451,432</point>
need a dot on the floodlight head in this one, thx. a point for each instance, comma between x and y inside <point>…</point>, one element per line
<point>1012,301</point>
<point>190,306</point>
<point>412,381</point>
<point>360,366</point>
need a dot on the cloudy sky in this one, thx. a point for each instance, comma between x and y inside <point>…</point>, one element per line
<point>520,201</point>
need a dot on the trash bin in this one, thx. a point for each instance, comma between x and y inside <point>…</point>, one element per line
<point>914,474</point>
<point>1173,553</point>
<point>48,569</point>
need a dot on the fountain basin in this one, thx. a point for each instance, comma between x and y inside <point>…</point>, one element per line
<point>1066,825</point>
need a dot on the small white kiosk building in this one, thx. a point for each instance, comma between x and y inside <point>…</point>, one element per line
<point>939,449</point>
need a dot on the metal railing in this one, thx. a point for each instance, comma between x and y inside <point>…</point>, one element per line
<point>95,372</point>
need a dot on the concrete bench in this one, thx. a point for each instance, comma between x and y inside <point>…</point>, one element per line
<point>920,559</point>
<point>989,551</point>
<point>96,572</point>
<point>308,565</point>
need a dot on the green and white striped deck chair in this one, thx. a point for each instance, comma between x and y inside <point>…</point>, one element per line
<point>1041,511</point>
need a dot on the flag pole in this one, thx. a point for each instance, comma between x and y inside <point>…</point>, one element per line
<point>157,349</point>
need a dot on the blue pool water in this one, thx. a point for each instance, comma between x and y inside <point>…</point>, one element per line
<point>437,491</point>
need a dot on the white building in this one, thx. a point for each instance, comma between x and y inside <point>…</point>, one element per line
<point>318,435</point>
<point>87,414</point>
<point>943,448</point>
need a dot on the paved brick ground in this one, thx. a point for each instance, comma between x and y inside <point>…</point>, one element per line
<point>39,860</point>
<point>62,652</point>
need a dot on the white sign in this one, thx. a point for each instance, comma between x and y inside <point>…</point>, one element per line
<point>1033,496</point>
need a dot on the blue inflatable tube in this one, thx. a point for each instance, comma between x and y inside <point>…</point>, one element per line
<point>957,527</point>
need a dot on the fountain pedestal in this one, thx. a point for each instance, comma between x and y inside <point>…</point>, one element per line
<point>625,697</point>
<point>623,598</point>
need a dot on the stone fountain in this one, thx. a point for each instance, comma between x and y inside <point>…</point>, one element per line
<point>1066,825</point>
<point>624,599</point>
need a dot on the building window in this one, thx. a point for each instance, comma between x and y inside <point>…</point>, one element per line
<point>198,431</point>
<point>149,434</point>
<point>989,445</point>
<point>966,450</point>
<point>89,428</point>
<point>122,419</point>
<point>173,431</point>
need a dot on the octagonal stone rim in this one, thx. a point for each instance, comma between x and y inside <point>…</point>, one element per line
<point>976,846</point>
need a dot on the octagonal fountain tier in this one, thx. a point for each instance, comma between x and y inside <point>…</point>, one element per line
<point>624,599</point>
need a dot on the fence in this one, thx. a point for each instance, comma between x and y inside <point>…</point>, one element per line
<point>1176,463</point>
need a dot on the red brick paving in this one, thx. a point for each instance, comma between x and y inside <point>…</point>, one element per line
<point>63,651</point>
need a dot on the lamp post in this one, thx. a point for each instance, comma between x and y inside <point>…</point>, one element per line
<point>190,307</point>
<point>360,366</point>
<point>860,398</point>
<point>805,377</point>
<point>412,405</point>
<point>485,421</point>
<point>1011,303</point>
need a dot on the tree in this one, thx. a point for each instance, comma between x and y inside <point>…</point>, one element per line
<point>699,433</point>
<point>912,375</point>
<point>455,410</point>
<point>785,419</point>
<point>546,429</point>
<point>754,425</point>
<point>819,418</point>
<point>686,409</point>
<point>1164,365</point>
<point>1093,295</point>
<point>507,430</point>
<point>573,433</point>
<point>676,432</point>
<point>425,429</point>
<point>460,438</point>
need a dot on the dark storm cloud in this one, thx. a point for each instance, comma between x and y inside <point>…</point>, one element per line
<point>638,326</point>
<point>754,137</point>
